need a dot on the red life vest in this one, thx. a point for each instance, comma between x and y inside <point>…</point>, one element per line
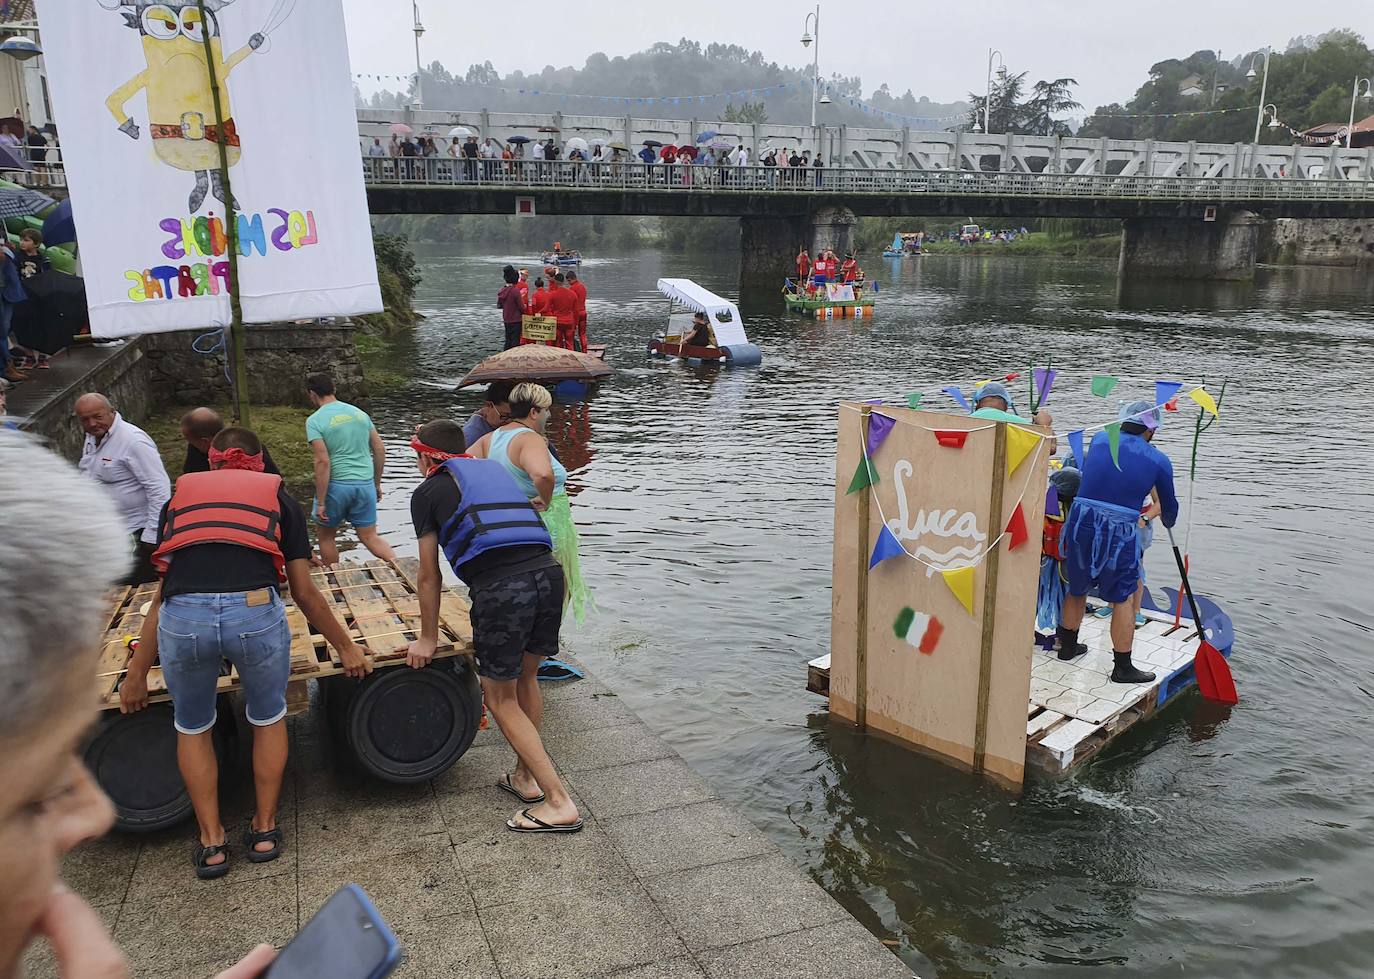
<point>224,506</point>
<point>1049,542</point>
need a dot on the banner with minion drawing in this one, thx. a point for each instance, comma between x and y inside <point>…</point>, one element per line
<point>130,82</point>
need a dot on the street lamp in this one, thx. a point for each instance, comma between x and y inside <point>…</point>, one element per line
<point>987,100</point>
<point>813,23</point>
<point>1272,111</point>
<point>1264,88</point>
<point>1354,96</point>
<point>419,29</point>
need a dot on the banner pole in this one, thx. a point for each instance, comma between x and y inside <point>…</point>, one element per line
<point>861,609</point>
<point>239,385</point>
<point>995,522</point>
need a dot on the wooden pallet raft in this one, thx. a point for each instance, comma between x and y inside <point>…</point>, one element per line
<point>376,601</point>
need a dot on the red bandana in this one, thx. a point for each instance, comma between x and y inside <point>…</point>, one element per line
<point>437,455</point>
<point>235,458</point>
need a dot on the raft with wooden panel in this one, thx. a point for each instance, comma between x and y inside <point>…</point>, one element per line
<point>402,725</point>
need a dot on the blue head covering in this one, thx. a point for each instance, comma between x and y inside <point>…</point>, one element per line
<point>1141,413</point>
<point>993,389</point>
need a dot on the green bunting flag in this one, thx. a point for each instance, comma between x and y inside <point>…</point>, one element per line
<point>913,400</point>
<point>1114,442</point>
<point>1103,384</point>
<point>864,475</point>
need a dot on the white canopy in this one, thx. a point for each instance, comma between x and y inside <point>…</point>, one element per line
<point>723,314</point>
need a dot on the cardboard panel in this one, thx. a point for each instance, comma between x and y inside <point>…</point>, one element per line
<point>936,500</point>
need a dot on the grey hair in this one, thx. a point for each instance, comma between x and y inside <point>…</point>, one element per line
<point>55,576</point>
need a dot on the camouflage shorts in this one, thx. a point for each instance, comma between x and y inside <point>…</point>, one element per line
<point>516,615</point>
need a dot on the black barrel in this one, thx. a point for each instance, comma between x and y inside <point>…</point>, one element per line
<point>407,725</point>
<point>134,758</point>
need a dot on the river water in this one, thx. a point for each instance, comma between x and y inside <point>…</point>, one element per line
<point>1200,844</point>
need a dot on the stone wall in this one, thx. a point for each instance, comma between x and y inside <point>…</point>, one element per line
<point>121,374</point>
<point>1319,241</point>
<point>280,356</point>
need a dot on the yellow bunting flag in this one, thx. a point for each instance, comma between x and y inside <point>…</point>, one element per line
<point>1205,400</point>
<point>960,581</point>
<point>1020,442</point>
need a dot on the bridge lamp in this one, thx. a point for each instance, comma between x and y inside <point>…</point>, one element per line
<point>419,29</point>
<point>813,23</point>
<point>1264,88</point>
<point>993,55</point>
<point>1354,97</point>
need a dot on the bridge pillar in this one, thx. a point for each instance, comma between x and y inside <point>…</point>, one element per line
<point>768,249</point>
<point>1190,249</point>
<point>832,228</point>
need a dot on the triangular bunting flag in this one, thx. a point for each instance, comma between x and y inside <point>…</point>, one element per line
<point>921,630</point>
<point>913,400</point>
<point>1076,443</point>
<point>1051,501</point>
<point>1171,405</point>
<point>951,440</point>
<point>1114,442</point>
<point>1044,380</point>
<point>1205,400</point>
<point>1012,377</point>
<point>887,546</point>
<point>1166,390</point>
<point>1016,528</point>
<point>1103,385</point>
<point>1020,442</point>
<point>958,396</point>
<point>879,428</point>
<point>960,581</point>
<point>864,475</point>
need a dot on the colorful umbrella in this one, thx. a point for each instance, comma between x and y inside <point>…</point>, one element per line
<point>20,202</point>
<point>652,142</point>
<point>576,143</point>
<point>58,227</point>
<point>536,362</point>
<point>459,131</point>
<point>518,139</point>
<point>707,136</point>
<point>400,129</point>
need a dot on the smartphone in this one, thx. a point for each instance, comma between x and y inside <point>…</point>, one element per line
<point>347,939</point>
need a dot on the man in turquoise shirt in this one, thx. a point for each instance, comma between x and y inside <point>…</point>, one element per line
<point>992,401</point>
<point>349,460</point>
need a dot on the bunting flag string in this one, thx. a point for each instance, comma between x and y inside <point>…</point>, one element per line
<point>1016,526</point>
<point>766,92</point>
<point>960,582</point>
<point>1020,441</point>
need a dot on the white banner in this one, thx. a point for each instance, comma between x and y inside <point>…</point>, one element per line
<point>136,119</point>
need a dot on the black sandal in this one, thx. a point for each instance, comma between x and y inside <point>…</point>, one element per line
<point>253,837</point>
<point>210,871</point>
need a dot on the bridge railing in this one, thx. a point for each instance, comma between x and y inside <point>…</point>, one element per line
<point>830,181</point>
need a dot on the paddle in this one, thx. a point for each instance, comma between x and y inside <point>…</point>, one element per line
<point>1213,673</point>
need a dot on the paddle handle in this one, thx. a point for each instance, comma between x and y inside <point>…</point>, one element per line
<point>1187,586</point>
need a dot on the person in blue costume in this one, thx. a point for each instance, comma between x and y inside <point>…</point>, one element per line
<point>1099,538</point>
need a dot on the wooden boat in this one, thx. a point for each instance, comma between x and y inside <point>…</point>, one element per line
<point>561,258</point>
<point>840,301</point>
<point>685,297</point>
<point>1074,710</point>
<point>905,244</point>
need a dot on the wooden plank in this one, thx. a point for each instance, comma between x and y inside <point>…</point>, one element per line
<point>1042,721</point>
<point>861,624</point>
<point>453,610</point>
<point>1067,736</point>
<point>990,562</point>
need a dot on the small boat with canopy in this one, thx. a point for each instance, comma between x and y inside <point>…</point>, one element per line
<point>728,343</point>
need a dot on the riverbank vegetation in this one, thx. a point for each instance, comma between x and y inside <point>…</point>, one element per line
<point>531,236</point>
<point>281,428</point>
<point>1067,237</point>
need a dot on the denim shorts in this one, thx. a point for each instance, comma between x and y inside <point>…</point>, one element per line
<point>351,501</point>
<point>196,632</point>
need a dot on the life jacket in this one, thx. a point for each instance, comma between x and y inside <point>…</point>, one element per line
<point>493,512</point>
<point>1054,526</point>
<point>224,506</point>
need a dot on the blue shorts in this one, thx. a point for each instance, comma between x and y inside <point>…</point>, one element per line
<point>1101,550</point>
<point>349,501</point>
<point>196,632</point>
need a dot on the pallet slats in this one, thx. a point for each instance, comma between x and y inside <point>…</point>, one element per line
<point>376,602</point>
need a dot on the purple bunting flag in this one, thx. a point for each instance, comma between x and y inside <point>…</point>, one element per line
<point>887,547</point>
<point>879,428</point>
<point>958,396</point>
<point>1076,443</point>
<point>1051,501</point>
<point>1044,380</point>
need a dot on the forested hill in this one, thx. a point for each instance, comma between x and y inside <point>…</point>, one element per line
<point>1309,84</point>
<point>674,81</point>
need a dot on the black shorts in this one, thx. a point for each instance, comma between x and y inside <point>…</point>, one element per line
<point>516,615</point>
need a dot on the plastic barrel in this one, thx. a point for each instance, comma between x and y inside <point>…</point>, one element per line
<point>406,725</point>
<point>743,355</point>
<point>134,759</point>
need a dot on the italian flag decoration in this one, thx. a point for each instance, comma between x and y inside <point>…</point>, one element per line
<point>921,630</point>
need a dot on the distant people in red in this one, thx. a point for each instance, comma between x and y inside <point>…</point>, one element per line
<point>803,266</point>
<point>539,299</point>
<point>578,289</point>
<point>849,271</point>
<point>562,306</point>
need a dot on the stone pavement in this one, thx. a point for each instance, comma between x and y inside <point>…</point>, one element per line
<point>665,882</point>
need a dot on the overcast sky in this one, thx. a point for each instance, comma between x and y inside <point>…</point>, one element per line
<point>935,49</point>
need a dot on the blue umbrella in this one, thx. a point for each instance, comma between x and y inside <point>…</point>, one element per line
<point>58,226</point>
<point>707,136</point>
<point>517,139</point>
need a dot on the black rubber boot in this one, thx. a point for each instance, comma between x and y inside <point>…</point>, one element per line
<point>1067,642</point>
<point>1125,672</point>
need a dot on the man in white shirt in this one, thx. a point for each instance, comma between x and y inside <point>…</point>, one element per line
<point>124,460</point>
<point>376,149</point>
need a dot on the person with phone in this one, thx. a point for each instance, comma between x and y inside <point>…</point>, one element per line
<point>474,512</point>
<point>50,803</point>
<point>226,540</point>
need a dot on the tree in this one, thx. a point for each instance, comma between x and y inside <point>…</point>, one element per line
<point>748,112</point>
<point>1047,100</point>
<point>1008,113</point>
<point>483,74</point>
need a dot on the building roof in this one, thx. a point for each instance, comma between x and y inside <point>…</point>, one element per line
<point>1365,125</point>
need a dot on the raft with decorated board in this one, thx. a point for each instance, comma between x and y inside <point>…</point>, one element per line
<point>934,598</point>
<point>830,300</point>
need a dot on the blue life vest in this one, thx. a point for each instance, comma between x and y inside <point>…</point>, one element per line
<point>493,512</point>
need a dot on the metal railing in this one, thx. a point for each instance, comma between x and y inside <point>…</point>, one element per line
<point>686,178</point>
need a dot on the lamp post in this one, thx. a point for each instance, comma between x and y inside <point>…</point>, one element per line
<point>811,30</point>
<point>1264,88</point>
<point>987,99</point>
<point>1354,97</point>
<point>419,29</point>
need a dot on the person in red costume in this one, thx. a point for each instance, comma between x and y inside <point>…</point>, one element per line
<point>562,306</point>
<point>577,288</point>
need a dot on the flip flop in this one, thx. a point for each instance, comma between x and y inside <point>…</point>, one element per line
<point>504,784</point>
<point>554,670</point>
<point>210,871</point>
<point>542,827</point>
<point>253,837</point>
